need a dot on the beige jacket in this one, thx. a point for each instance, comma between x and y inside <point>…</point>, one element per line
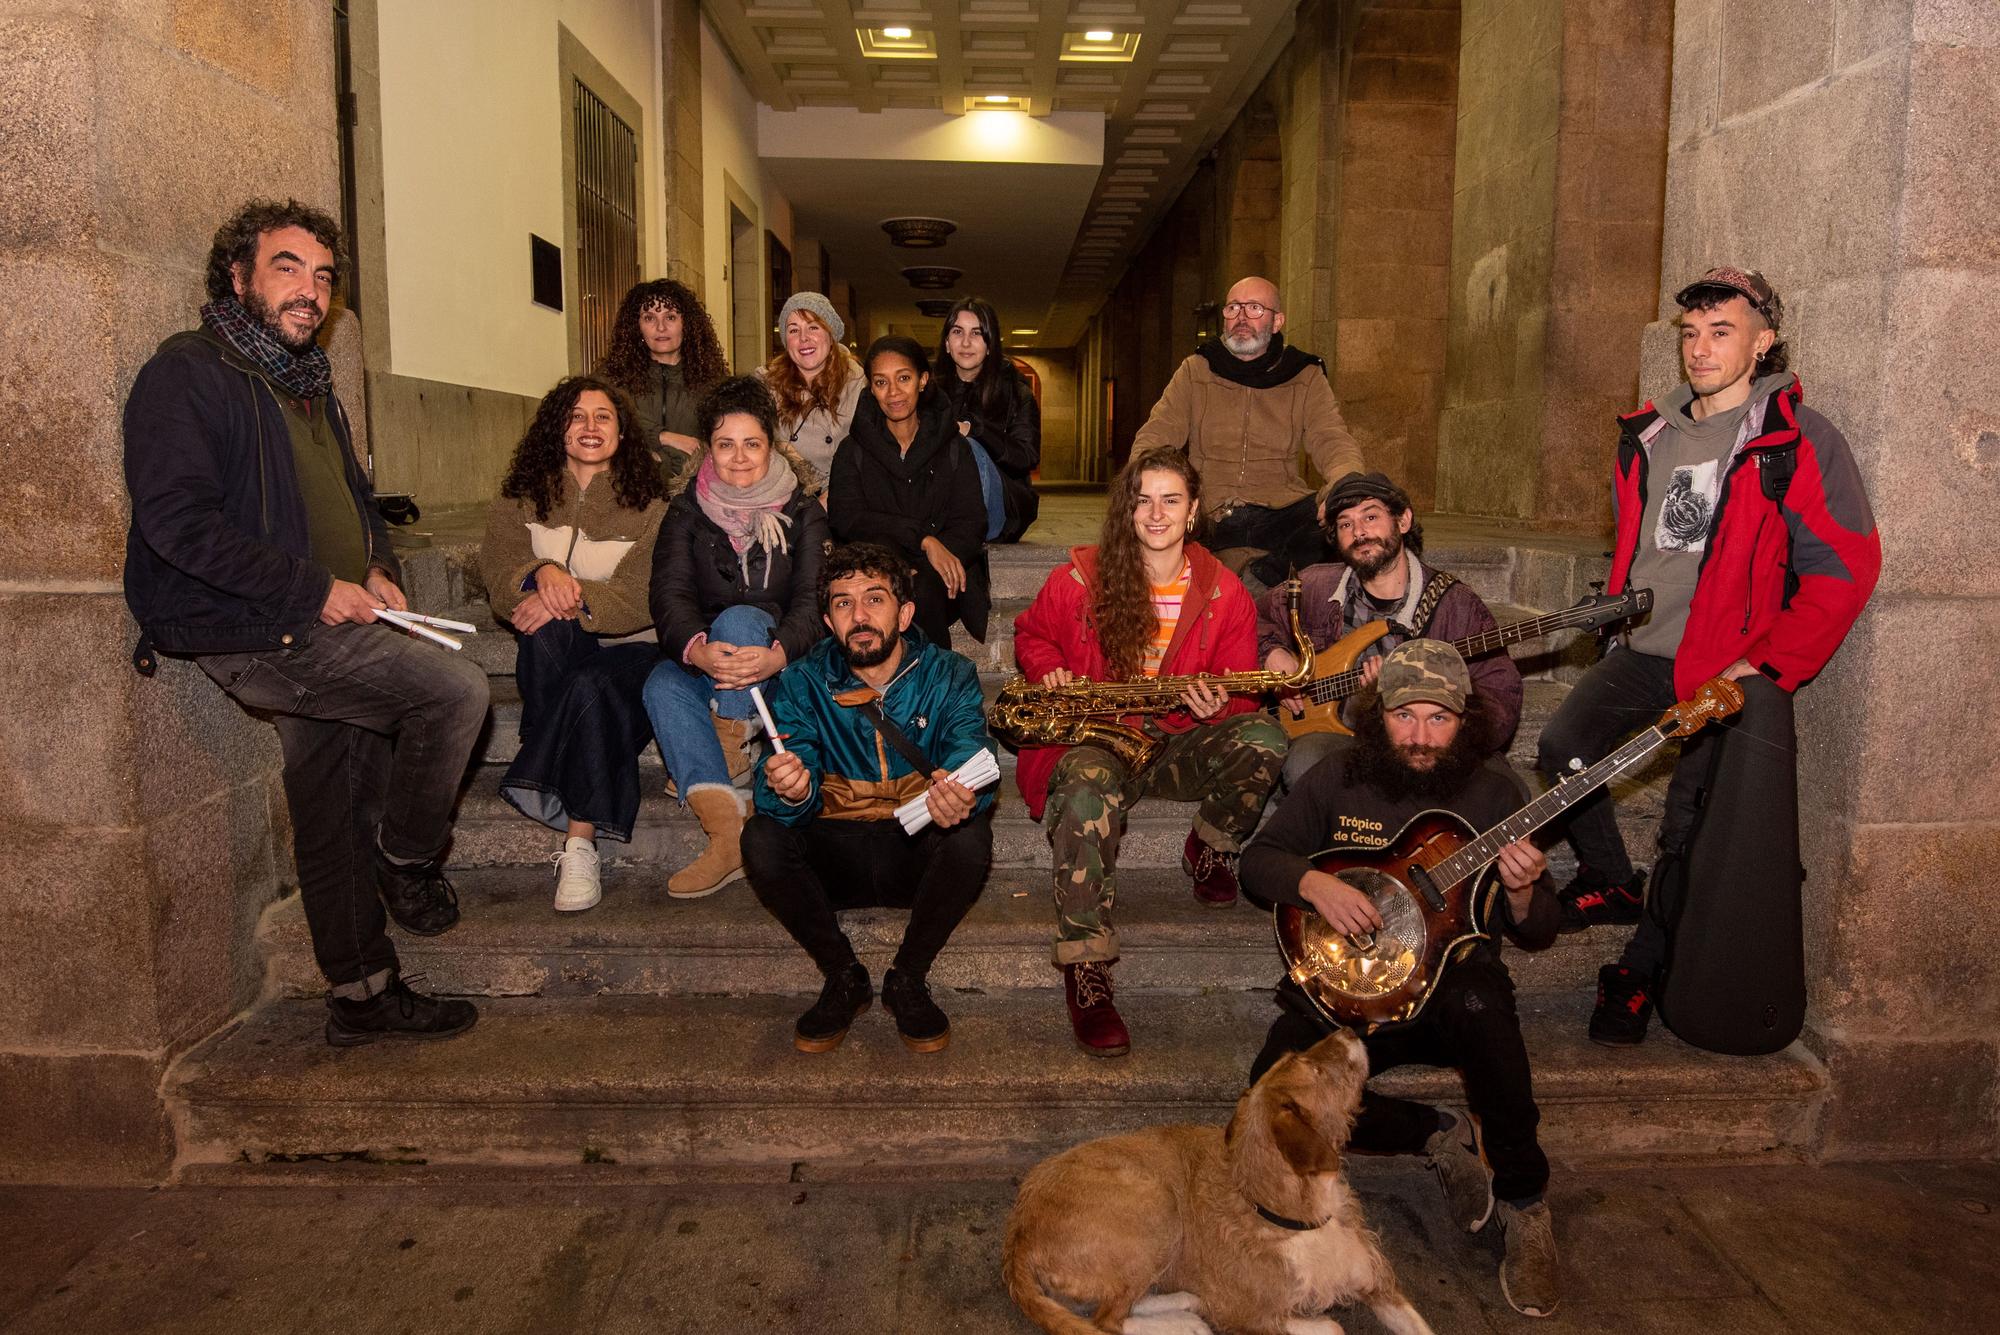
<point>608,548</point>
<point>1246,442</point>
<point>819,433</point>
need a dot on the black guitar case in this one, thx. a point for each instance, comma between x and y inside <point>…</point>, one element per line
<point>1734,980</point>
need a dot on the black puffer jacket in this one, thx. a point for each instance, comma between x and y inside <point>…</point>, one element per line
<point>879,494</point>
<point>1014,441</point>
<point>218,558</point>
<point>697,576</point>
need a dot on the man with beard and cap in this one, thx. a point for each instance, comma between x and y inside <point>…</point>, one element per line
<point>256,550</point>
<point>1414,750</point>
<point>1743,510</point>
<point>1369,523</point>
<point>854,714</point>
<point>1243,407</point>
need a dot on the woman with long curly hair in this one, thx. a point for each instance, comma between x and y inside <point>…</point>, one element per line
<point>1144,602</point>
<point>905,478</point>
<point>735,598</point>
<point>664,354</point>
<point>567,560</point>
<point>816,382</point>
<point>997,414</point>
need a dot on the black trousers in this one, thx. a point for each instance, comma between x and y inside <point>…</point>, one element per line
<point>1471,1025</point>
<point>583,725</point>
<point>804,874</point>
<point>1290,537</point>
<point>1620,694</point>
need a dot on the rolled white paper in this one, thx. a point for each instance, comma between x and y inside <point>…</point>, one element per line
<point>770,725</point>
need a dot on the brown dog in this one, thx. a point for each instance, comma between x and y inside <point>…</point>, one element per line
<point>1187,1211</point>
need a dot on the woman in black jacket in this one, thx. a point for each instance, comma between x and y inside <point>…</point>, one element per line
<point>995,409</point>
<point>734,598</point>
<point>905,478</point>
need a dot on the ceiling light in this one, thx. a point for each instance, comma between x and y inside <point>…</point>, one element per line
<point>1024,331</point>
<point>996,97</point>
<point>1096,35</point>
<point>902,34</point>
<point>918,233</point>
<point>898,43</point>
<point>1099,46</point>
<point>932,277</point>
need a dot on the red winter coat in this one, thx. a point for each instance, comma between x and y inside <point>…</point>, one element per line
<point>1217,633</point>
<point>1742,607</point>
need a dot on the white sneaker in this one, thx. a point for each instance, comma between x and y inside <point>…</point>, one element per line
<point>577,886</point>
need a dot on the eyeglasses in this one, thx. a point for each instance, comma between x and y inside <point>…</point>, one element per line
<point>1256,310</point>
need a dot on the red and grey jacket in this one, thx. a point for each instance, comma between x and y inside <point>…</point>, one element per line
<point>1789,564</point>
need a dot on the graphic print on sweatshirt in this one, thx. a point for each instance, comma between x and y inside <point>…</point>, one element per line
<point>1688,507</point>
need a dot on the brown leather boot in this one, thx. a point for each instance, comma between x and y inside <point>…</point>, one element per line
<point>1100,1031</point>
<point>720,811</point>
<point>734,734</point>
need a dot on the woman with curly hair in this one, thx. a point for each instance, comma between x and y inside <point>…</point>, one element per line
<point>1144,602</point>
<point>996,412</point>
<point>816,383</point>
<point>734,597</point>
<point>567,559</point>
<point>664,354</point>
<point>905,478</point>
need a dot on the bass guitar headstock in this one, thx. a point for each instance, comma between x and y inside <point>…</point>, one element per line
<point>1608,609</point>
<point>1714,700</point>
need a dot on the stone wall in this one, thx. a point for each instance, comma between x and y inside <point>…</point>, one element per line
<point>1846,150</point>
<point>680,77</point>
<point>145,829</point>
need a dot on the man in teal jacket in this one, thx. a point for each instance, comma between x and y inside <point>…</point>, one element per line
<point>825,835</point>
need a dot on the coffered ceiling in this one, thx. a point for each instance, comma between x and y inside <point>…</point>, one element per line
<point>1166,76</point>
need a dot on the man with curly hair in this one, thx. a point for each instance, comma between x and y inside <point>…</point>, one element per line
<point>1743,510</point>
<point>256,550</point>
<point>1146,601</point>
<point>664,354</point>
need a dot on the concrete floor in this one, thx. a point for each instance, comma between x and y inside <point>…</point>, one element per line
<point>1874,1248</point>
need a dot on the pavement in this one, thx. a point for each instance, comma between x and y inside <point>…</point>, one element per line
<point>1870,1247</point>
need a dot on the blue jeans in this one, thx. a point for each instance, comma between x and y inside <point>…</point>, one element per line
<point>677,701</point>
<point>990,489</point>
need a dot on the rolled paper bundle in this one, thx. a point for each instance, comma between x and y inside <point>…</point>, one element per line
<point>976,773</point>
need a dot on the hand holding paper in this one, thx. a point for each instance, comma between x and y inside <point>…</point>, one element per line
<point>974,774</point>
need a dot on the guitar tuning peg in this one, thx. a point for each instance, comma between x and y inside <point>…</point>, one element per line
<point>1597,584</point>
<point>1576,764</point>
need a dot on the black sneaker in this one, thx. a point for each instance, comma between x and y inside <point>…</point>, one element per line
<point>1589,900</point>
<point>1624,1005</point>
<point>396,1012</point>
<point>841,1001</point>
<point>919,1022</point>
<point>418,897</point>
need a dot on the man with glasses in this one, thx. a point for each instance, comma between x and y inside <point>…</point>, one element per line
<point>1243,406</point>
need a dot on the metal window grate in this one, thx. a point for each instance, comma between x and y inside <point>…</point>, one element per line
<point>607,218</point>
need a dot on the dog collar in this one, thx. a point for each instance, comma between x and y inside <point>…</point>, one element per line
<point>1295,1225</point>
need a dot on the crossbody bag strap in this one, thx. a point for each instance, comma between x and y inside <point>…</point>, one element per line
<point>896,737</point>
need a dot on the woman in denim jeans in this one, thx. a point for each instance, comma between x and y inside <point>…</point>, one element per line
<point>734,598</point>
<point>568,549</point>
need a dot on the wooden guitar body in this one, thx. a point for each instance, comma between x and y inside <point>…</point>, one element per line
<point>1384,978</point>
<point>1338,657</point>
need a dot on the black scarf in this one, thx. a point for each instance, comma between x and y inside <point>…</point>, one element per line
<point>1278,364</point>
<point>305,375</point>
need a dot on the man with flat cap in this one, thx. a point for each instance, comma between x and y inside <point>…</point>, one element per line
<point>1411,752</point>
<point>1743,510</point>
<point>1370,525</point>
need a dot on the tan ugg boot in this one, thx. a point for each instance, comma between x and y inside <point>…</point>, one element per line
<point>734,734</point>
<point>720,811</point>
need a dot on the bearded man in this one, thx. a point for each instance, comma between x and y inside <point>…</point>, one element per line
<point>855,714</point>
<point>1415,750</point>
<point>1243,407</point>
<point>1368,521</point>
<point>256,550</point>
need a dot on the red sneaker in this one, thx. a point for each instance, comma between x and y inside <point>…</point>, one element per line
<point>1214,873</point>
<point>1099,1030</point>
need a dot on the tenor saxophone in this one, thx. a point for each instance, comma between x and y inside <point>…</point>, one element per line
<point>1088,712</point>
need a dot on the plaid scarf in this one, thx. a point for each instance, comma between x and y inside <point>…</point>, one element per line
<point>307,375</point>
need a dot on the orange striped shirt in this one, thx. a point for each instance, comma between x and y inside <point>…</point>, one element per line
<point>1167,599</point>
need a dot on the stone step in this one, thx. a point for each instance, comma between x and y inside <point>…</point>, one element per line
<point>510,942</point>
<point>712,1086</point>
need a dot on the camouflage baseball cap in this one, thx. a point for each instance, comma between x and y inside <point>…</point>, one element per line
<point>1427,670</point>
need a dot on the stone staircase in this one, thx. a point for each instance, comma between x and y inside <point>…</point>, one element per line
<point>651,1038</point>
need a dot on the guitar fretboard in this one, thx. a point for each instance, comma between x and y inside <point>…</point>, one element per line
<point>1548,806</point>
<point>1340,685</point>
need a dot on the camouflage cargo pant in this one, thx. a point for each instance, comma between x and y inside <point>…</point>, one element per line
<point>1230,768</point>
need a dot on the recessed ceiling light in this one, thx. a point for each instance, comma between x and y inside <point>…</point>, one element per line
<point>996,97</point>
<point>900,34</point>
<point>1094,35</point>
<point>1024,331</point>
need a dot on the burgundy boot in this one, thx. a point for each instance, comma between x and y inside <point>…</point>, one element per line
<point>1214,872</point>
<point>1099,1030</point>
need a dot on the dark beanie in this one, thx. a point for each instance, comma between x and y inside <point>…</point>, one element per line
<point>1354,488</point>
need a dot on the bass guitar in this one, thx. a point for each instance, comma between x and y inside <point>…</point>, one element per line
<point>1434,885</point>
<point>1335,678</point>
